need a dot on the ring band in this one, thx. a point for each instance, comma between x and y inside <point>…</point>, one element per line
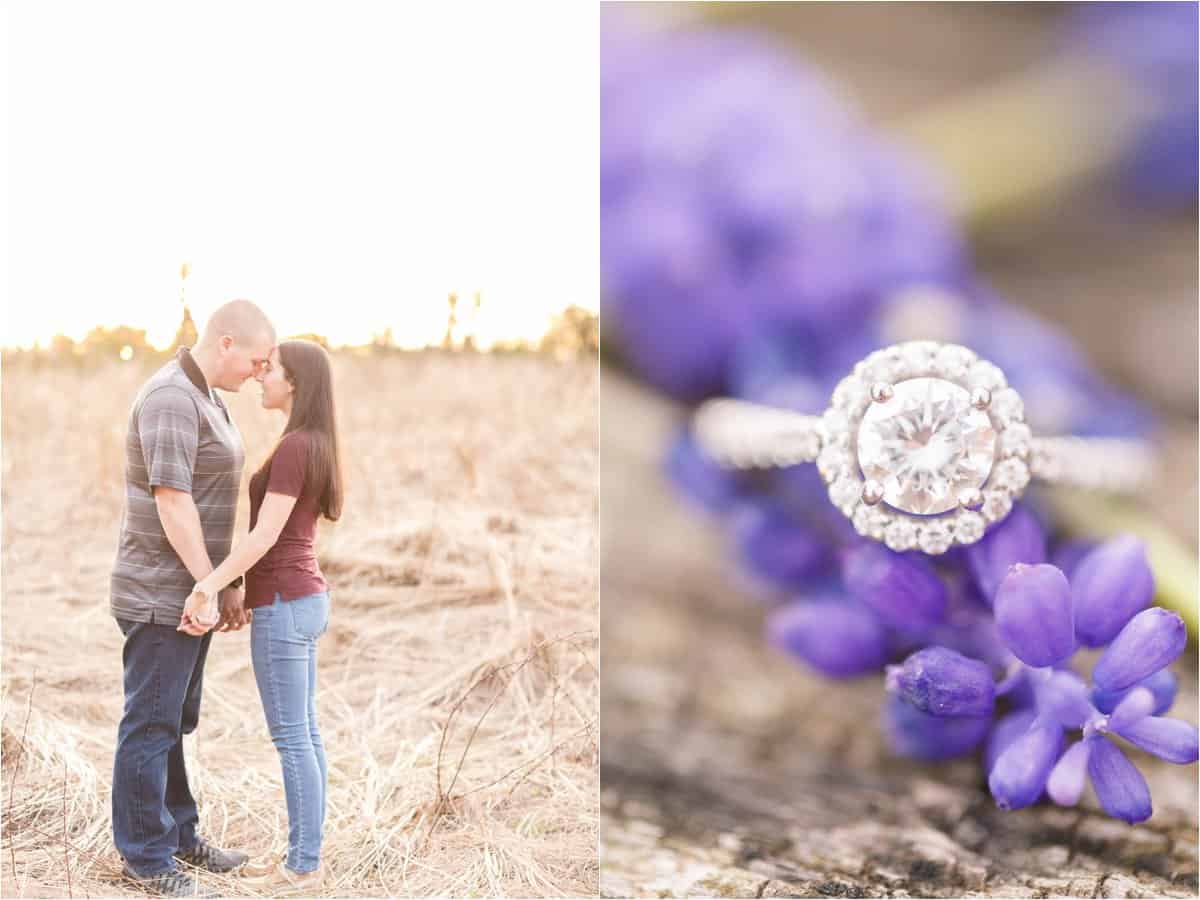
<point>924,446</point>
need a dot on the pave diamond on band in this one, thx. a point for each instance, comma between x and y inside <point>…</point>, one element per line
<point>924,445</point>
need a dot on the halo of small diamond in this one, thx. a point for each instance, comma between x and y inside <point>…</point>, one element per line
<point>969,526</point>
<point>838,463</point>
<point>935,536</point>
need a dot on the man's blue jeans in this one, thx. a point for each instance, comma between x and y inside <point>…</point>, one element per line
<point>283,648</point>
<point>153,813</point>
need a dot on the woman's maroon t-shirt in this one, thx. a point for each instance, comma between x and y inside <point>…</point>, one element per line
<point>290,567</point>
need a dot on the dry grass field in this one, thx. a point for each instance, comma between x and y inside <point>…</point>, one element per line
<point>459,690</point>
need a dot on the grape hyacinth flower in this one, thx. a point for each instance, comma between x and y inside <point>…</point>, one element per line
<point>738,194</point>
<point>880,605</point>
<point>1042,620</point>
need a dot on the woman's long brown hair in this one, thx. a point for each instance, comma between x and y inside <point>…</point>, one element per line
<point>306,365</point>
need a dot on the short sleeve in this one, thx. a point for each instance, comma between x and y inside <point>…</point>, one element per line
<point>169,430</point>
<point>288,466</point>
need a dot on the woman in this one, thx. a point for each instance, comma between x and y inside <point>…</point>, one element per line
<point>287,597</point>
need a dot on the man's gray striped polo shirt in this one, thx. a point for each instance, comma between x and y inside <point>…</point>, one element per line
<point>178,437</point>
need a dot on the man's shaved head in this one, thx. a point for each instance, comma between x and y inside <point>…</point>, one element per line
<point>235,345</point>
<point>242,321</point>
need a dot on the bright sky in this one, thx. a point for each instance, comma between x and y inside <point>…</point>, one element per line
<point>344,165</point>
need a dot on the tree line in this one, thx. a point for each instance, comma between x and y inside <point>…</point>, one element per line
<point>573,332</point>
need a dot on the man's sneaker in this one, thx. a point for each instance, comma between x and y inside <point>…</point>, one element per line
<point>205,856</point>
<point>171,883</point>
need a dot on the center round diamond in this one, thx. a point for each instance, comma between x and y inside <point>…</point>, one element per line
<point>926,445</point>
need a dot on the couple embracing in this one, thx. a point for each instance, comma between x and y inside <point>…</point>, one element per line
<point>179,577</point>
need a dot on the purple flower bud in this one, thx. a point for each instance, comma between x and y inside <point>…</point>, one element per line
<point>1007,730</point>
<point>801,487</point>
<point>715,488</point>
<point>1064,697</point>
<point>1069,775</point>
<point>670,302</point>
<point>833,635</point>
<point>905,591</point>
<point>1110,586</point>
<point>1068,554</point>
<point>1162,684</point>
<point>1119,785</point>
<point>1019,775</point>
<point>775,547</point>
<point>1151,641</point>
<point>1171,739</point>
<point>977,639</point>
<point>1018,539</point>
<point>1134,706</point>
<point>919,735</point>
<point>942,682</point>
<point>781,369</point>
<point>1033,614</point>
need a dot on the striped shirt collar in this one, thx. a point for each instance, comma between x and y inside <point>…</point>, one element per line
<point>192,370</point>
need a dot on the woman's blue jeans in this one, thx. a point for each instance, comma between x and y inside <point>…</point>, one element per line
<point>283,642</point>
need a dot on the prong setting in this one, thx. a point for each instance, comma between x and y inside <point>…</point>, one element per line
<point>882,392</point>
<point>972,498</point>
<point>872,493</point>
<point>981,398</point>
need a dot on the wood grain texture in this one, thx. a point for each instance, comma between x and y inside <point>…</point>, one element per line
<point>728,770</point>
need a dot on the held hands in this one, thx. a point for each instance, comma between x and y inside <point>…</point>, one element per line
<point>234,615</point>
<point>200,611</point>
<point>206,609</point>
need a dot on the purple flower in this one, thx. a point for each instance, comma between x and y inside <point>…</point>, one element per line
<point>831,634</point>
<point>913,733</point>
<point>1162,685</point>
<point>670,304</point>
<point>1033,614</point>
<point>1150,641</point>
<point>737,193</point>
<point>944,683</point>
<point>710,486</point>
<point>1019,775</point>
<point>1171,739</point>
<point>1120,787</point>
<point>1007,729</point>
<point>775,546</point>
<point>1017,539</point>
<point>1068,554</point>
<point>780,369</point>
<point>904,591</point>
<point>1063,697</point>
<point>1036,611</point>
<point>1147,640</point>
<point>1109,585</point>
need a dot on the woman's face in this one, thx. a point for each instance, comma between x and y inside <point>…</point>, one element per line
<point>276,389</point>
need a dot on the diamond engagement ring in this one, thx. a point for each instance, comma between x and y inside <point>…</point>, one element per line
<point>924,446</point>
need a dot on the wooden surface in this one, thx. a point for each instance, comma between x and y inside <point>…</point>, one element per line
<point>728,770</point>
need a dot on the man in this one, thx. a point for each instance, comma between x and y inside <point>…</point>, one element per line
<point>183,470</point>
